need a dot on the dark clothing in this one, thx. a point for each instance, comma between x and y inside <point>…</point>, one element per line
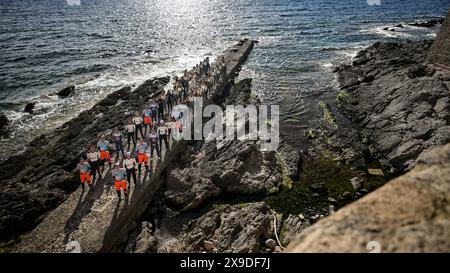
<point>131,172</point>
<point>166,142</point>
<point>119,144</point>
<point>139,129</point>
<point>130,137</point>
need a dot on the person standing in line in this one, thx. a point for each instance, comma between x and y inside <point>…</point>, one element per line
<point>163,132</point>
<point>85,173</point>
<point>93,158</point>
<point>119,174</point>
<point>169,100</point>
<point>137,120</point>
<point>154,144</point>
<point>161,107</point>
<point>130,129</point>
<point>118,140</point>
<point>147,114</point>
<point>104,145</point>
<point>170,125</point>
<point>130,166</point>
<point>154,108</point>
<point>141,150</point>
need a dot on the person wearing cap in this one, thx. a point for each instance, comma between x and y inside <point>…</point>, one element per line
<point>85,172</point>
<point>130,165</point>
<point>119,174</point>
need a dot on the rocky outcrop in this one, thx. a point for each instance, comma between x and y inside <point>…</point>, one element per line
<point>440,51</point>
<point>241,228</point>
<point>40,178</point>
<point>238,167</point>
<point>400,106</point>
<point>409,214</point>
<point>29,108</point>
<point>65,92</point>
<point>142,241</point>
<point>428,23</point>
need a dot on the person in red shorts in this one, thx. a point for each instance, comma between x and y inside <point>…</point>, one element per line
<point>119,174</point>
<point>147,114</point>
<point>85,172</point>
<point>103,145</point>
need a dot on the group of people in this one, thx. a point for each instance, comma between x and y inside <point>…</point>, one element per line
<point>145,133</point>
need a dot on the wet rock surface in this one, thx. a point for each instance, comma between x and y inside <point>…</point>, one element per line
<point>40,178</point>
<point>408,214</point>
<point>397,103</point>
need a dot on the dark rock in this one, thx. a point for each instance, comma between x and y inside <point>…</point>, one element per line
<point>419,70</point>
<point>29,107</point>
<point>3,121</point>
<point>394,116</point>
<point>238,228</point>
<point>66,91</point>
<point>399,26</point>
<point>428,23</point>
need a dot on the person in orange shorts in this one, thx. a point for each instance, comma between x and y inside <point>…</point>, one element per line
<point>85,172</point>
<point>119,174</point>
<point>141,150</point>
<point>103,145</point>
<point>147,114</point>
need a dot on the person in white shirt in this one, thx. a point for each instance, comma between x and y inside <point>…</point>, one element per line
<point>163,132</point>
<point>137,120</point>
<point>130,129</point>
<point>130,165</point>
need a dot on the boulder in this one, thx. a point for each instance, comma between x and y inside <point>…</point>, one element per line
<point>237,228</point>
<point>65,92</point>
<point>3,121</point>
<point>29,107</point>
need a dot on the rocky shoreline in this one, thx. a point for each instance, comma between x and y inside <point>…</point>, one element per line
<point>391,108</point>
<point>39,179</point>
